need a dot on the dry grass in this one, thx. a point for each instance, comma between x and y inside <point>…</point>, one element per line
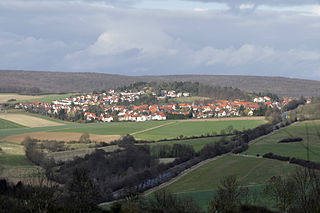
<point>28,121</point>
<point>60,136</point>
<point>5,97</point>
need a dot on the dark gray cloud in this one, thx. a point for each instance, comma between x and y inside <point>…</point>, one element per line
<point>262,2</point>
<point>72,36</point>
<point>251,5</point>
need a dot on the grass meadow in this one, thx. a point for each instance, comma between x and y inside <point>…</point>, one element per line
<point>202,183</point>
<point>197,143</point>
<point>196,128</point>
<point>308,130</point>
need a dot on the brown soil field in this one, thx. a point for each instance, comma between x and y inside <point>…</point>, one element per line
<point>28,121</point>
<point>5,97</point>
<point>60,136</point>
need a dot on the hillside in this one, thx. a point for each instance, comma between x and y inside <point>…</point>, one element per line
<point>59,82</point>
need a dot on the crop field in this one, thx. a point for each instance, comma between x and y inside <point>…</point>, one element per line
<point>13,163</point>
<point>39,116</point>
<point>197,143</point>
<point>305,130</point>
<point>60,136</point>
<point>196,128</point>
<point>116,128</point>
<point>203,181</point>
<point>4,97</point>
<point>5,124</point>
<point>152,130</point>
<point>50,98</point>
<point>27,120</point>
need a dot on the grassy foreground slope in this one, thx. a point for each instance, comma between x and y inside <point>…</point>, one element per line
<point>5,124</point>
<point>202,183</point>
<point>196,128</point>
<point>306,130</point>
<point>250,171</point>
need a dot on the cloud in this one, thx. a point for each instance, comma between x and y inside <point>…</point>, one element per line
<point>201,9</point>
<point>73,36</point>
<point>251,5</point>
<point>246,54</point>
<point>262,2</point>
<point>316,10</point>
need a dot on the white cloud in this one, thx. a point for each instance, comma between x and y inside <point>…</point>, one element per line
<point>246,6</point>
<point>316,10</point>
<point>200,9</point>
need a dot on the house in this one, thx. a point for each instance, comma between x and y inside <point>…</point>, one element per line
<point>221,114</point>
<point>108,118</point>
<point>250,113</point>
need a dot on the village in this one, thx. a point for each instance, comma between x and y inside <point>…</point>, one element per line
<point>113,106</point>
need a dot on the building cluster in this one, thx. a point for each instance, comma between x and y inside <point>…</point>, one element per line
<point>108,107</point>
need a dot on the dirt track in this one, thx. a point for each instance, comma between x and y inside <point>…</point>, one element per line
<point>60,136</point>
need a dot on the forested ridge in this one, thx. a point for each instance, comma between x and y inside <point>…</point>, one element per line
<point>65,82</point>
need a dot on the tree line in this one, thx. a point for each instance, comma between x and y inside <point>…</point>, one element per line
<point>194,88</point>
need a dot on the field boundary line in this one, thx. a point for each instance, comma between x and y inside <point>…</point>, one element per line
<point>152,128</point>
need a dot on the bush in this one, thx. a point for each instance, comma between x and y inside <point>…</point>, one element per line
<point>277,157</point>
<point>290,140</point>
<point>240,149</point>
<point>305,163</point>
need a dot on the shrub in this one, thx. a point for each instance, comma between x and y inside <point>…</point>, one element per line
<point>290,140</point>
<point>277,157</point>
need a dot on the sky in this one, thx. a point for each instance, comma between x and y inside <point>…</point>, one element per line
<point>162,37</point>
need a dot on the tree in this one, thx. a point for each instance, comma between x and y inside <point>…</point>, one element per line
<point>84,138</point>
<point>281,191</point>
<point>83,194</point>
<point>166,202</point>
<point>228,198</point>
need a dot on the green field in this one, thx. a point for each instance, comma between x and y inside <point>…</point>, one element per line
<point>201,183</point>
<point>197,144</point>
<point>116,128</point>
<point>203,198</point>
<point>196,128</point>
<point>13,162</point>
<point>4,124</point>
<point>151,130</point>
<point>50,98</point>
<point>297,149</point>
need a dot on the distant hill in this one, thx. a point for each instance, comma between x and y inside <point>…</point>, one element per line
<point>60,82</point>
